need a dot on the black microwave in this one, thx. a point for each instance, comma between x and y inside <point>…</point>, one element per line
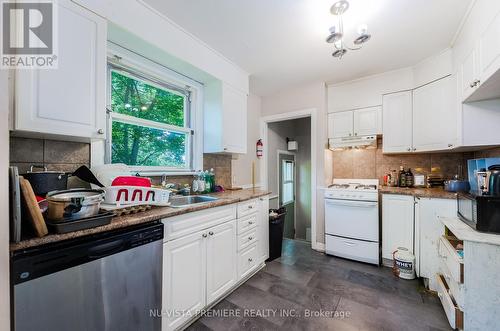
<point>481,212</point>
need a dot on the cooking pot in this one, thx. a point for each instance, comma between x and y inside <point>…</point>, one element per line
<point>456,185</point>
<point>46,181</point>
<point>494,180</point>
<point>73,204</point>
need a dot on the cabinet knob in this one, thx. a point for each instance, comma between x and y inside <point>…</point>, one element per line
<point>225,148</point>
<point>450,145</point>
<point>250,222</point>
<point>355,133</point>
<point>471,85</point>
<point>100,131</point>
<point>204,235</point>
<point>211,233</point>
<point>350,134</point>
<point>250,207</point>
<point>476,83</point>
<point>408,149</point>
<point>250,259</point>
<point>414,149</point>
<point>250,238</point>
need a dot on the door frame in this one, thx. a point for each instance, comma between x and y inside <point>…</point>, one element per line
<point>264,125</point>
<point>278,152</point>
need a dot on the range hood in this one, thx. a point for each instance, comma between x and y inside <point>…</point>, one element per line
<point>353,142</point>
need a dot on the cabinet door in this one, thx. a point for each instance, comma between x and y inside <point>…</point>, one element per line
<point>435,116</point>
<point>221,260</point>
<point>184,279</point>
<point>263,229</point>
<point>69,100</point>
<point>397,223</point>
<point>428,231</point>
<point>340,124</point>
<point>489,50</point>
<point>469,71</point>
<point>397,122</point>
<point>234,113</point>
<point>366,121</point>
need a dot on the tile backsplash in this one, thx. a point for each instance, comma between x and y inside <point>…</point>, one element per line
<point>68,156</point>
<point>372,163</point>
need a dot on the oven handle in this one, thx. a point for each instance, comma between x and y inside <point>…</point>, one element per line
<point>348,203</point>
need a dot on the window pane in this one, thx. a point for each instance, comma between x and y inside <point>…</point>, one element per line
<point>287,193</point>
<point>287,170</point>
<point>135,97</point>
<point>138,145</point>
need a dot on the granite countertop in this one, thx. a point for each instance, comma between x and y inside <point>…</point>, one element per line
<point>156,213</point>
<point>435,192</point>
<point>464,232</point>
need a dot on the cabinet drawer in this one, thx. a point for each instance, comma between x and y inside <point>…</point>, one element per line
<point>454,314</point>
<point>451,259</point>
<point>456,289</point>
<point>247,207</point>
<point>178,226</point>
<point>246,223</point>
<point>247,261</point>
<point>248,238</point>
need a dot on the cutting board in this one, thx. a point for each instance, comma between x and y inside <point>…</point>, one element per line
<point>32,211</point>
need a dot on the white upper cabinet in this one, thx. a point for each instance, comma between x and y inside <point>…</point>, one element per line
<point>225,117</point>
<point>359,122</point>
<point>469,70</point>
<point>489,50</point>
<point>367,121</point>
<point>435,116</point>
<point>397,122</point>
<point>69,100</point>
<point>340,124</point>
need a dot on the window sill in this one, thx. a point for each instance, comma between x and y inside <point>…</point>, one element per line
<point>163,173</point>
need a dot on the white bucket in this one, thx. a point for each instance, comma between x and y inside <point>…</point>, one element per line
<point>404,263</point>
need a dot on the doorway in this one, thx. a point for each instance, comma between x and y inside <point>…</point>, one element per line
<point>286,190</point>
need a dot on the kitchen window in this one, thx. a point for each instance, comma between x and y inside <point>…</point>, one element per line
<point>151,125</point>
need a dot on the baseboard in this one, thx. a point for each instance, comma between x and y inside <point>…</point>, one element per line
<point>320,247</point>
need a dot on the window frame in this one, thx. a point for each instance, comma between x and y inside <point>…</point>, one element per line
<point>135,66</point>
<point>284,182</point>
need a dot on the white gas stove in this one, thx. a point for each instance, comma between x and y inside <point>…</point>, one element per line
<point>351,219</point>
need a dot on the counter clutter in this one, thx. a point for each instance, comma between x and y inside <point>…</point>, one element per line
<point>224,198</point>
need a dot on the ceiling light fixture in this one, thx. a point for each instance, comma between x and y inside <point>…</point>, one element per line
<point>336,36</point>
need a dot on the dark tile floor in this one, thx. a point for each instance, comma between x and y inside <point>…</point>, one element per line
<point>308,290</point>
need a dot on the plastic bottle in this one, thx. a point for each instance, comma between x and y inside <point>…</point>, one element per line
<point>212,179</point>
<point>201,182</point>
<point>194,186</point>
<point>208,184</point>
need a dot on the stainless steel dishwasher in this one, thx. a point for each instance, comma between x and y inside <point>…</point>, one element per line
<point>109,282</point>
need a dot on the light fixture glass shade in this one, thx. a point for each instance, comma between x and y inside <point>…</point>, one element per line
<point>334,35</point>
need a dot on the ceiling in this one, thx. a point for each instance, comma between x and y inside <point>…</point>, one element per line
<point>281,43</point>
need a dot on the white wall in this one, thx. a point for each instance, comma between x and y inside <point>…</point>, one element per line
<point>312,95</point>
<point>242,164</point>
<point>4,203</point>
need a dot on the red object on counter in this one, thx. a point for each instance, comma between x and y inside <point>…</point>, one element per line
<point>131,181</point>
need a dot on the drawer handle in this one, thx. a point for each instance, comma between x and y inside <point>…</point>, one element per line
<point>250,259</point>
<point>250,238</point>
<point>204,235</point>
<point>250,207</point>
<point>211,233</point>
<point>250,222</point>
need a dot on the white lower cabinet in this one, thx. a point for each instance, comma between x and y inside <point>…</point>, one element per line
<point>184,279</point>
<point>221,260</point>
<point>428,233</point>
<point>397,223</point>
<point>208,253</point>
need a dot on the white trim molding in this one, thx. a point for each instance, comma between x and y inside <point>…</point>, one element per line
<point>304,113</point>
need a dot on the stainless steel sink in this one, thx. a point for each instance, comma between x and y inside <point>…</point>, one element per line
<point>185,201</point>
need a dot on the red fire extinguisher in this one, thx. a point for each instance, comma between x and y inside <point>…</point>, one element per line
<point>260,148</point>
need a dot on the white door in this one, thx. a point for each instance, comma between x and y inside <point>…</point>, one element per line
<point>428,230</point>
<point>367,121</point>
<point>221,260</point>
<point>469,71</point>
<point>234,120</point>
<point>352,219</point>
<point>397,223</point>
<point>489,50</point>
<point>397,122</point>
<point>263,228</point>
<point>69,100</point>
<point>435,115</point>
<point>184,278</point>
<point>340,124</point>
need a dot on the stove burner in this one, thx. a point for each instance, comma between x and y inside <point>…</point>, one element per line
<point>365,187</point>
<point>339,186</point>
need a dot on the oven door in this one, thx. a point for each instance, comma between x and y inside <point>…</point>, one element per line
<point>352,219</point>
